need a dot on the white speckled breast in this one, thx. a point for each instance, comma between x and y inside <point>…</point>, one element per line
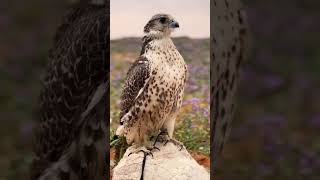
<point>168,73</point>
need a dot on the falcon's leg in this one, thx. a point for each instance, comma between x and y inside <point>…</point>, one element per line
<point>168,126</point>
<point>167,133</point>
<point>164,137</point>
<point>160,137</point>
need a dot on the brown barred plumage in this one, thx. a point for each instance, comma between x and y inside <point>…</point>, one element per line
<point>229,46</point>
<point>71,135</point>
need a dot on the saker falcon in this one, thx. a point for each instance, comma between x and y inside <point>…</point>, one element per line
<point>154,87</point>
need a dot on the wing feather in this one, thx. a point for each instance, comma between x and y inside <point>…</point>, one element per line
<point>137,77</point>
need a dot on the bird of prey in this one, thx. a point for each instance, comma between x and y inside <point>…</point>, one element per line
<point>71,136</point>
<point>154,86</point>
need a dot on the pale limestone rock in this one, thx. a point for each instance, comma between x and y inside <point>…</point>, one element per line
<point>167,164</point>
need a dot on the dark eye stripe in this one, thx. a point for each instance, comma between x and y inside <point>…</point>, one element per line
<point>163,19</point>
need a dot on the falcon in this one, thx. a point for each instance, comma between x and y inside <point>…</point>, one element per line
<point>154,86</point>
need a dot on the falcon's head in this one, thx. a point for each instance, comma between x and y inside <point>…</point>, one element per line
<point>162,24</point>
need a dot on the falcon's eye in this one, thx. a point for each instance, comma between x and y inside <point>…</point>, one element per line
<point>163,20</point>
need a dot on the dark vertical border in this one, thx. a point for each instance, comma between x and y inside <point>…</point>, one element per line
<point>228,49</point>
<point>107,38</point>
<point>212,122</point>
<point>72,132</point>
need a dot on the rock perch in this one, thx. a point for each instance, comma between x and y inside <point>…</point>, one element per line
<point>170,163</point>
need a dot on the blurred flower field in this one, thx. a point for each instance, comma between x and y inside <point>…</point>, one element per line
<point>275,133</point>
<point>192,125</point>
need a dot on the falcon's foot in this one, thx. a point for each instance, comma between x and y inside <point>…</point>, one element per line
<point>163,136</point>
<point>154,147</point>
<point>142,149</point>
<point>175,142</point>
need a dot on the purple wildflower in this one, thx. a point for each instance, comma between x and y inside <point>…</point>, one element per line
<point>206,112</point>
<point>194,102</point>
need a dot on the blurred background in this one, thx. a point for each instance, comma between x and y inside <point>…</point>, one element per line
<point>128,17</point>
<point>275,133</point>
<point>27,31</point>
<point>192,41</point>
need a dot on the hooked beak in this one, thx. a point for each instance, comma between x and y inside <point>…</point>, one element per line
<point>174,24</point>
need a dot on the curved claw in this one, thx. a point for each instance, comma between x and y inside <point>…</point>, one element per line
<point>144,152</point>
<point>150,153</point>
<point>160,134</point>
<point>175,142</point>
<point>154,147</point>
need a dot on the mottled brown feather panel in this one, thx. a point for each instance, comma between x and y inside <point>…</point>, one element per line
<point>135,80</point>
<point>78,64</point>
<point>229,48</point>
